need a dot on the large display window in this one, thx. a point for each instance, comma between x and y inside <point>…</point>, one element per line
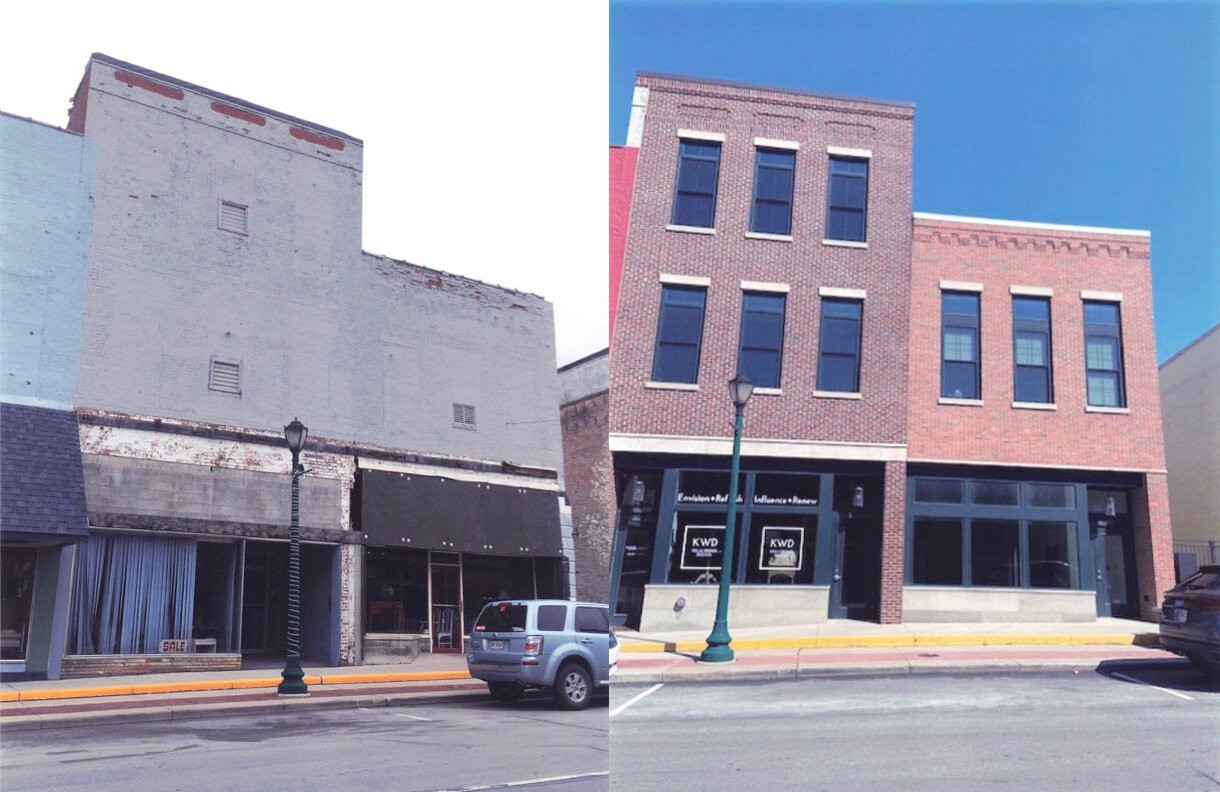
<point>17,566</point>
<point>781,548</point>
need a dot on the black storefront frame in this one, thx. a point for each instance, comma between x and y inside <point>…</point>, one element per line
<point>1089,573</point>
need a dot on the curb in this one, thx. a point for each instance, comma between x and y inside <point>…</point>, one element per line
<point>190,712</point>
<point>629,645</point>
<point>203,685</point>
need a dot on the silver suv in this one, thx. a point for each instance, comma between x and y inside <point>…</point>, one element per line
<point>557,645</point>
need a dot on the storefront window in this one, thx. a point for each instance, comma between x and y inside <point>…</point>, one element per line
<point>488,578</point>
<point>697,550</point>
<point>1052,555</point>
<point>17,565</point>
<point>937,552</point>
<point>995,553</point>
<point>395,590</point>
<point>708,488</point>
<point>1050,496</point>
<point>784,489</point>
<point>781,548</point>
<point>938,490</point>
<point>993,493</point>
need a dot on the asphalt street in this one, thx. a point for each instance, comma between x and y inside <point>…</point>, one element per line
<point>443,746</point>
<point>1131,725</point>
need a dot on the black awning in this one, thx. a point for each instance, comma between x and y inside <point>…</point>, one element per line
<point>437,513</point>
<point>42,488</point>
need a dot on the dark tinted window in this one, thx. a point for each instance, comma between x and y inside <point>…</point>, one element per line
<point>695,191</point>
<point>959,372</point>
<point>505,617</point>
<point>1052,555</point>
<point>552,618</point>
<point>773,174</point>
<point>995,551</point>
<point>1031,341</point>
<point>1050,496</point>
<point>937,552</point>
<point>591,620</point>
<point>1103,351</point>
<point>993,493</point>
<point>938,490</point>
<point>848,199</point>
<point>839,346</point>
<point>762,338</point>
<point>679,334</point>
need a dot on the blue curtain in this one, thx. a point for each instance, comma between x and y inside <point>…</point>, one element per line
<point>131,592</point>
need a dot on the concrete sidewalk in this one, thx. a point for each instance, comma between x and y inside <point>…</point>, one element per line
<point>150,697</point>
<point>846,647</point>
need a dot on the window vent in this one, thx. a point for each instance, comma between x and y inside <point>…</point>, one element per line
<point>463,416</point>
<point>225,377</point>
<point>232,217</point>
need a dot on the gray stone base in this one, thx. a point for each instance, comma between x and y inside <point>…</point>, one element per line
<point>78,666</point>
<point>749,606</point>
<point>957,604</point>
<point>393,648</point>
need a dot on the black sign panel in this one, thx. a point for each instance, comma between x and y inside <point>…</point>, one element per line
<point>785,489</point>
<point>702,547</point>
<point>436,513</point>
<point>782,548</point>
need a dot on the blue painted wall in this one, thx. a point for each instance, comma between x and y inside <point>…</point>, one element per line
<point>46,214</point>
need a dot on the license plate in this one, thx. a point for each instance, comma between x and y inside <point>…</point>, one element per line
<point>1179,615</point>
<point>499,645</point>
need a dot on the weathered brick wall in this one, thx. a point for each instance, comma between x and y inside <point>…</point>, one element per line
<point>999,256</point>
<point>46,182</point>
<point>588,482</point>
<point>805,264</point>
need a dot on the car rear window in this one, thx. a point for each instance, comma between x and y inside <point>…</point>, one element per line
<point>505,617</point>
<point>1200,581</point>
<point>552,618</point>
<point>592,620</point>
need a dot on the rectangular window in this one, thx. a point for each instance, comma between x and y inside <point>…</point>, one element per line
<point>936,552</point>
<point>463,416</point>
<point>679,334</point>
<point>1031,341</point>
<point>929,490</point>
<point>1052,555</point>
<point>959,371</point>
<point>847,201</point>
<point>995,553</point>
<point>1050,496</point>
<point>839,346</point>
<point>781,547</point>
<point>773,177</point>
<point>695,190</point>
<point>762,338</point>
<point>1103,342</point>
<point>17,568</point>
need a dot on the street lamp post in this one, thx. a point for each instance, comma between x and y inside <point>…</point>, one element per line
<point>719,648</point>
<point>293,683</point>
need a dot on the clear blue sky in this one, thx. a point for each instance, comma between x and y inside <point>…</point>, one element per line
<point>1104,114</point>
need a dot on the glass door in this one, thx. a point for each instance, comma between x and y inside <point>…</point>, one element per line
<point>445,584</point>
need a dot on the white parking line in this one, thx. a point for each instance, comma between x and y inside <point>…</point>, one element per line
<point>636,698</point>
<point>1155,687</point>
<point>395,714</point>
<point>532,781</point>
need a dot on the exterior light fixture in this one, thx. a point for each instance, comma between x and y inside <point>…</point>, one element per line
<point>293,683</point>
<point>1110,509</point>
<point>857,497</point>
<point>719,642</point>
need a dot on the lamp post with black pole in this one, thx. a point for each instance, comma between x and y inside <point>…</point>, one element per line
<point>719,649</point>
<point>293,683</point>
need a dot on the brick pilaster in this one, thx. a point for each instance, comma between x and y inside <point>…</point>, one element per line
<point>1153,543</point>
<point>893,540</point>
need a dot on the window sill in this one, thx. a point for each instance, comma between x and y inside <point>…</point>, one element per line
<point>845,243</point>
<point>1034,406</point>
<point>818,394</point>
<point>768,391</point>
<point>1089,408</point>
<point>960,402</point>
<point>771,237</point>
<point>677,386</point>
<point>691,229</point>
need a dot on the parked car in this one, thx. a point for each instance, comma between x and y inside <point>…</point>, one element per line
<point>1190,620</point>
<point>554,645</point>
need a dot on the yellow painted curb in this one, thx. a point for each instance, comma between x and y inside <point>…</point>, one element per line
<point>889,641</point>
<point>9,695</point>
<point>68,693</point>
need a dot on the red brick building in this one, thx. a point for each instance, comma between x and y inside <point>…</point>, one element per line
<point>952,419</point>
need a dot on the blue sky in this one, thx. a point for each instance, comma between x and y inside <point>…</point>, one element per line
<point>1104,114</point>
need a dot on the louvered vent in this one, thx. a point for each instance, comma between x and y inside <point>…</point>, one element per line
<point>225,377</point>
<point>232,217</point>
<point>463,416</point>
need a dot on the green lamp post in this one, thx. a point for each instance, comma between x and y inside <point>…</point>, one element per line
<point>719,648</point>
<point>293,683</point>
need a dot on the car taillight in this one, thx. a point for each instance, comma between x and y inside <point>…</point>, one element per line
<point>533,645</point>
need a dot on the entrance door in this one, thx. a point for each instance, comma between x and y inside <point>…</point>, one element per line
<point>445,576</point>
<point>264,601</point>
<point>855,582</point>
<point>1113,554</point>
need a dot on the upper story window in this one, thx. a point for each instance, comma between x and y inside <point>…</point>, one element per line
<point>959,333</point>
<point>695,190</point>
<point>847,199</point>
<point>679,334</point>
<point>762,338</point>
<point>773,178</point>
<point>1031,344</point>
<point>1103,344</point>
<point>232,217</point>
<point>839,346</point>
